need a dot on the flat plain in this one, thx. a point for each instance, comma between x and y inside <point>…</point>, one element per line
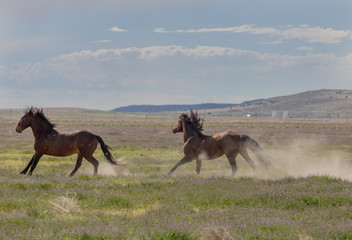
<point>305,194</point>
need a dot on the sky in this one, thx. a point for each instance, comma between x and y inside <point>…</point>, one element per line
<point>111,53</point>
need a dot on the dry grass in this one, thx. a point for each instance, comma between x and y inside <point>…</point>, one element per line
<point>66,204</point>
<point>303,196</point>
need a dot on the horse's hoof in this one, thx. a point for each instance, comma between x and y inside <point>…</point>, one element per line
<point>23,173</point>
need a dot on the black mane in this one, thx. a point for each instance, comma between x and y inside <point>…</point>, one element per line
<point>38,112</point>
<point>195,121</point>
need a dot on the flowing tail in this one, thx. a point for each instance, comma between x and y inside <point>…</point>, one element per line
<point>256,149</point>
<point>106,151</point>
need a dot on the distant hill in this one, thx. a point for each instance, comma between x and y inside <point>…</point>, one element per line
<point>325,103</point>
<point>169,108</point>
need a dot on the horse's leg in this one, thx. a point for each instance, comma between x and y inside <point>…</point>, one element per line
<point>184,160</point>
<point>93,161</point>
<point>245,155</point>
<point>95,164</point>
<point>28,166</point>
<point>199,164</point>
<point>232,161</point>
<point>78,164</point>
<point>36,159</point>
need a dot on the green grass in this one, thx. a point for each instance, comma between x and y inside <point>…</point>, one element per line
<point>137,200</point>
<point>160,207</point>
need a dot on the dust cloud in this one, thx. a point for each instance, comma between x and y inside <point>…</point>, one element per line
<point>307,157</point>
<point>299,157</point>
<point>106,169</point>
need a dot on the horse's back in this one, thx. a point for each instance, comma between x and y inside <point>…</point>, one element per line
<point>230,141</point>
<point>227,135</point>
<point>83,138</point>
<point>73,142</point>
<point>83,133</point>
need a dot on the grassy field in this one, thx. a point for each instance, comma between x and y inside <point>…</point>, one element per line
<point>306,194</point>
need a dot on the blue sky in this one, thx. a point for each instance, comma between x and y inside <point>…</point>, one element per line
<point>110,53</point>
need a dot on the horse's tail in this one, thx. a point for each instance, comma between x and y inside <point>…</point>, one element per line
<point>106,151</point>
<point>256,149</point>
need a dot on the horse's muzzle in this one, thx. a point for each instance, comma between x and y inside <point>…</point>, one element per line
<point>18,130</point>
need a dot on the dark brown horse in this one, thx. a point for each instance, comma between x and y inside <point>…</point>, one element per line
<point>51,142</point>
<point>198,146</point>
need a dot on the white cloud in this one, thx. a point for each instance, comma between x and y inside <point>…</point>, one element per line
<point>305,49</point>
<point>162,30</point>
<point>4,71</point>
<point>277,42</point>
<point>102,41</point>
<point>101,67</point>
<point>99,60</point>
<point>149,53</point>
<point>132,75</point>
<point>240,29</point>
<point>315,34</point>
<point>152,52</point>
<point>302,32</point>
<point>116,29</point>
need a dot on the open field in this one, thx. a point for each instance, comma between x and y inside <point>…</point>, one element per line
<point>306,194</point>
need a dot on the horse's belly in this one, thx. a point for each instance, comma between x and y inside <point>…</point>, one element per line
<point>210,153</point>
<point>62,149</point>
<point>62,152</point>
<point>210,156</point>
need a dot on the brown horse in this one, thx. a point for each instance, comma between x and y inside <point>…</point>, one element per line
<point>51,142</point>
<point>198,146</point>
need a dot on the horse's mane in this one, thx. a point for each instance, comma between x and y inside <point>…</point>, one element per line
<point>38,112</point>
<point>195,121</point>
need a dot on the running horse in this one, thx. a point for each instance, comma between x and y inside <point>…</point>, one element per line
<point>49,141</point>
<point>198,146</point>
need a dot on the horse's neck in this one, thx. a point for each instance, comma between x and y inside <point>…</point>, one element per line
<point>41,129</point>
<point>188,132</point>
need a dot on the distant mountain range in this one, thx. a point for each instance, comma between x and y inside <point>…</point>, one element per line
<point>169,108</point>
<point>318,103</point>
<point>177,107</point>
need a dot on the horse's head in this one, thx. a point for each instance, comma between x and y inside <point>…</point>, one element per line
<point>34,118</point>
<point>193,121</point>
<point>25,121</point>
<point>178,127</point>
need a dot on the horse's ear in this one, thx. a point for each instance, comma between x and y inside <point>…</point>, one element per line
<point>40,111</point>
<point>29,111</point>
<point>192,115</point>
<point>33,111</point>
